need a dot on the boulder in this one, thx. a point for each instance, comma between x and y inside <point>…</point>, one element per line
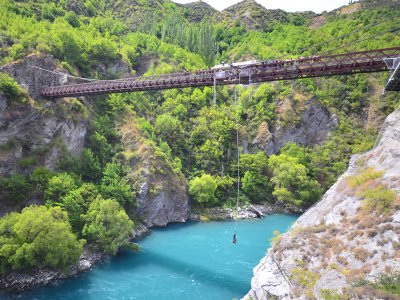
<point>332,281</point>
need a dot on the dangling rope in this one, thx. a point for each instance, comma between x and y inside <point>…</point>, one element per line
<point>238,163</point>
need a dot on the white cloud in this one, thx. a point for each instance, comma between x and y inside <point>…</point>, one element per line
<point>287,5</point>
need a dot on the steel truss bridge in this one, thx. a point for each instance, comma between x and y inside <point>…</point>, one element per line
<point>315,66</point>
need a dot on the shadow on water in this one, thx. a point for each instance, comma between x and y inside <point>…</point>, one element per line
<point>198,272</point>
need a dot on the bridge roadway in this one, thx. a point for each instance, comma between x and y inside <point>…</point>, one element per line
<point>272,70</point>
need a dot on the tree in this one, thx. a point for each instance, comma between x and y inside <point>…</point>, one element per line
<point>115,185</point>
<point>89,166</point>
<point>37,237</point>
<point>15,187</point>
<point>40,178</point>
<point>167,126</point>
<point>256,186</point>
<point>203,188</point>
<point>77,202</point>
<point>255,182</point>
<point>107,226</point>
<point>59,186</point>
<point>292,184</point>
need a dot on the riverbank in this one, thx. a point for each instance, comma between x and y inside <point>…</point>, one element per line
<point>252,211</point>
<point>18,281</point>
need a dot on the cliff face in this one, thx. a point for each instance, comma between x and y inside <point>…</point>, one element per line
<point>315,126</point>
<point>38,126</point>
<point>162,192</point>
<point>351,234</point>
<point>35,132</point>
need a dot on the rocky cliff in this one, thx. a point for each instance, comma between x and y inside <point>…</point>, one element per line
<point>352,234</point>
<point>162,190</point>
<point>35,132</point>
<point>315,125</point>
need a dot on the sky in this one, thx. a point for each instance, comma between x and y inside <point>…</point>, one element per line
<point>317,6</point>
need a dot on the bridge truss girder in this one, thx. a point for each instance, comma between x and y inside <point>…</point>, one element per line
<point>273,70</point>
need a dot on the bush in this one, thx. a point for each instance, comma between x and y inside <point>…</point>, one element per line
<point>202,189</point>
<point>379,198</point>
<point>37,237</point>
<point>17,51</point>
<point>27,162</point>
<point>72,19</point>
<point>386,286</point>
<point>365,176</point>
<point>107,226</point>
<point>9,87</point>
<point>257,187</point>
<point>292,185</point>
<point>305,278</point>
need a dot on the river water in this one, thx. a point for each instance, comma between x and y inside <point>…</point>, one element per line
<point>191,261</point>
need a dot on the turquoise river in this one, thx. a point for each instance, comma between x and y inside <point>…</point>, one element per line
<point>182,261</point>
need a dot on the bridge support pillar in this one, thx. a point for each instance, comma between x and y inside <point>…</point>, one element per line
<point>393,83</point>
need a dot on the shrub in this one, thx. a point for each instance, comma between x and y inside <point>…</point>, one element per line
<point>305,278</point>
<point>363,177</point>
<point>77,202</point>
<point>107,226</point>
<point>27,162</point>
<point>379,198</point>
<point>17,51</point>
<point>277,238</point>
<point>387,286</point>
<point>9,87</point>
<point>361,254</point>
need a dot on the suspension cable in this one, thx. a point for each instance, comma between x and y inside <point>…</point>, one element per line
<point>63,74</point>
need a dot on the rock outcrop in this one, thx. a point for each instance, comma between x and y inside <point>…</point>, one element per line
<point>315,125</point>
<point>162,191</point>
<point>347,236</point>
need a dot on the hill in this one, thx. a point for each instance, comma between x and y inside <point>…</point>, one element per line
<point>198,11</point>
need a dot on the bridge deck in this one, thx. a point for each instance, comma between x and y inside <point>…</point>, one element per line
<point>273,70</point>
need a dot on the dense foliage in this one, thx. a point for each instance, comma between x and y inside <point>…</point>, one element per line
<point>107,226</point>
<point>37,237</point>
